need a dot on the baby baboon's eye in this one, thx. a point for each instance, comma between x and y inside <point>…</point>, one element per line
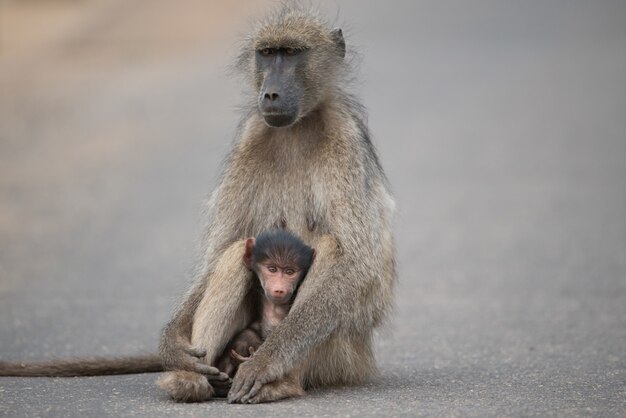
<point>291,51</point>
<point>266,52</point>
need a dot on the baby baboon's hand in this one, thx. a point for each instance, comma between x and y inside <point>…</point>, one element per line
<point>238,358</point>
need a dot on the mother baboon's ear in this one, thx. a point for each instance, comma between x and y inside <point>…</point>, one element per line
<point>337,36</point>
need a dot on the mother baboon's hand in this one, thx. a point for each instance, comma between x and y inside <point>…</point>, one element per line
<point>178,354</point>
<point>250,378</point>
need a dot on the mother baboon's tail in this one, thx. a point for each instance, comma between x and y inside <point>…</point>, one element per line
<point>83,367</point>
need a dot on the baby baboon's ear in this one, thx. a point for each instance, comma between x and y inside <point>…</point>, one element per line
<point>247,256</point>
<point>340,43</point>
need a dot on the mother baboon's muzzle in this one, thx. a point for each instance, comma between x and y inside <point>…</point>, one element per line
<point>279,98</point>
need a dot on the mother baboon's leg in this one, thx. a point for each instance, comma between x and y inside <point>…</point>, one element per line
<point>345,358</point>
<point>222,312</point>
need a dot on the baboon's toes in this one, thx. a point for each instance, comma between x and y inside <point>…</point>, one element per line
<point>185,386</point>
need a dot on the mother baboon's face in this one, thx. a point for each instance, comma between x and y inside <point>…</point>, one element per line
<point>281,72</point>
<point>295,66</point>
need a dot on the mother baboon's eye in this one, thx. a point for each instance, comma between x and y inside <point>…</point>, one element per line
<point>266,52</point>
<point>291,51</point>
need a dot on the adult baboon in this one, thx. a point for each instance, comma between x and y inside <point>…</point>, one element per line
<point>303,158</point>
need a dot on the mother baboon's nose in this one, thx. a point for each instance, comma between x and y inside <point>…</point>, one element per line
<point>271,96</point>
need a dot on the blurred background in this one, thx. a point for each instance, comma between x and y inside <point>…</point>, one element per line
<point>501,125</point>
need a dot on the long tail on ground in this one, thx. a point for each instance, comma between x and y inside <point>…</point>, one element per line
<point>83,367</point>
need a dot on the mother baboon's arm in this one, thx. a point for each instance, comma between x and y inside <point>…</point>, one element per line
<point>175,347</point>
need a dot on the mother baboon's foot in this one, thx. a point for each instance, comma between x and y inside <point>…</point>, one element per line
<point>185,386</point>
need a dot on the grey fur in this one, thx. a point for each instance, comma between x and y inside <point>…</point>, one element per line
<point>322,177</point>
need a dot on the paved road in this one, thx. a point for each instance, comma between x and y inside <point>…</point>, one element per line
<point>501,126</point>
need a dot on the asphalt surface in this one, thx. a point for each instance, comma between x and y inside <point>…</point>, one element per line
<point>501,126</point>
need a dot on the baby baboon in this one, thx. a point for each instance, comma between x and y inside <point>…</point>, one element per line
<point>280,261</point>
<point>303,158</point>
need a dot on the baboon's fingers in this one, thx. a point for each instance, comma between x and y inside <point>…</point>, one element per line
<point>222,377</point>
<point>239,389</point>
<point>196,352</point>
<point>238,357</point>
<point>251,350</point>
<point>222,383</point>
<point>205,369</point>
<point>252,393</point>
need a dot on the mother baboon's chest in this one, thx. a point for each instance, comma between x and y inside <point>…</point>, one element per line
<point>288,193</point>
